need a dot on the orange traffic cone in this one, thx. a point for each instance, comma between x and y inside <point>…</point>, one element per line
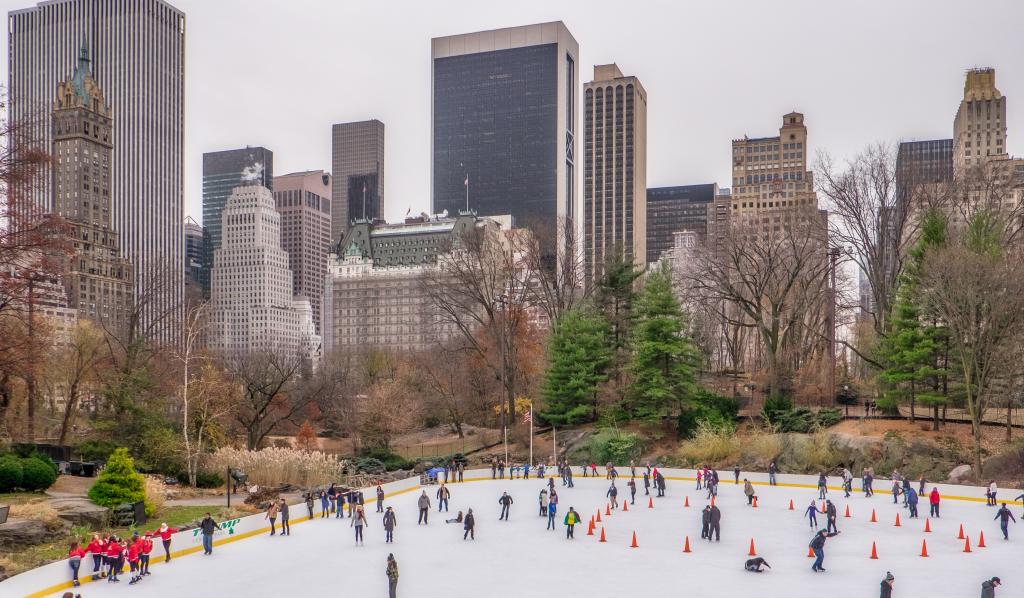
<point>599,515</point>
<point>960,536</point>
<point>686,545</point>
<point>873,518</point>
<point>810,552</point>
<point>687,503</point>
<point>897,524</point>
<point>712,501</point>
<point>625,505</point>
<point>791,504</point>
<point>847,512</point>
<point>981,540</point>
<point>602,536</point>
<point>607,509</point>
<point>874,552</point>
<point>650,503</point>
<point>924,548</point>
<point>590,528</point>
<point>752,551</point>
<point>634,544</point>
<point>927,526</point>
<point>967,544</point>
<point>822,506</point>
<point>755,502</point>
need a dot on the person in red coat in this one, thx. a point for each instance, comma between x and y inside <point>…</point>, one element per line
<point>933,501</point>
<point>134,552</point>
<point>114,560</point>
<point>95,548</point>
<point>147,547</point>
<point>165,535</point>
<point>75,555</point>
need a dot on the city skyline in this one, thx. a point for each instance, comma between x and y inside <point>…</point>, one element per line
<point>849,106</point>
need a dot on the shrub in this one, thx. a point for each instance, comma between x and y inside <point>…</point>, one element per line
<point>119,482</point>
<point>711,445</point>
<point>11,473</point>
<point>804,420</point>
<point>814,452</point>
<point>761,446</point>
<point>37,474</point>
<point>156,492</point>
<point>275,466</point>
<point>390,460</point>
<point>369,465</point>
<point>773,406</point>
<point>95,450</point>
<point>204,479</point>
<point>613,446</point>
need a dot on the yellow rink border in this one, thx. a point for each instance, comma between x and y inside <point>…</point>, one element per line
<point>263,530</point>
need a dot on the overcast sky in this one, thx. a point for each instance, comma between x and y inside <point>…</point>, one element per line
<point>279,73</point>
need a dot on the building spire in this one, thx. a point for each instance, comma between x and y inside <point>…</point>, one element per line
<point>82,71</point>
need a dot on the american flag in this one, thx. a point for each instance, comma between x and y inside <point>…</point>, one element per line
<point>528,416</point>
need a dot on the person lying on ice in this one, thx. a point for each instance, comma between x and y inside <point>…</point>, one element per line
<point>755,564</point>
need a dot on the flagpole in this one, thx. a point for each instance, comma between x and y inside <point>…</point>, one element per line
<point>467,191</point>
<point>554,443</point>
<point>531,433</point>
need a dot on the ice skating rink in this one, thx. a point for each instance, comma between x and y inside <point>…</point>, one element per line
<point>519,558</point>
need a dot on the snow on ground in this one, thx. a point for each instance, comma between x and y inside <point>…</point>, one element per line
<point>520,558</point>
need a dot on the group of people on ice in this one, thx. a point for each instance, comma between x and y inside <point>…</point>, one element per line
<point>111,554</point>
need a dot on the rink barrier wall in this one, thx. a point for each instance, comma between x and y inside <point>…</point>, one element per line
<point>26,584</point>
<point>38,583</point>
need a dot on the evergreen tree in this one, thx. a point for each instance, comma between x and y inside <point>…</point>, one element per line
<point>665,360</point>
<point>118,482</point>
<point>614,296</point>
<point>914,350</point>
<point>578,358</point>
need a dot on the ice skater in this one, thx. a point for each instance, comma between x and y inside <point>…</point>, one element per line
<point>632,491</point>
<point>988,587</point>
<point>75,556</point>
<point>469,524</point>
<point>991,493</point>
<point>912,500</point>
<point>309,504</point>
<point>754,565</point>
<point>818,546</point>
<point>613,495</point>
<point>705,521</point>
<point>715,523</point>
<point>887,585</point>
<point>443,494</point>
<point>812,514</point>
<point>659,482</point>
<point>772,470</point>
<point>209,527</point>
<point>543,502</point>
<point>647,484</point>
<point>392,572</point>
<point>822,486</point>
<point>390,523</point>
<point>847,483</point>
<point>571,519</point>
<point>748,489</point>
<point>736,475</point>
<point>424,505</point>
<point>933,502</point>
<point>700,474</point>
<point>867,479</point>
<point>358,522</point>
<point>552,510</point>
<point>272,515</point>
<point>1004,516</point>
<point>830,516</point>
<point>286,529</point>
<point>505,501</point>
<point>380,499</point>
<point>456,519</point>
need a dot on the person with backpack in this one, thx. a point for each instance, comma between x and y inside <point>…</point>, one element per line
<point>390,522</point>
<point>817,545</point>
<point>571,519</point>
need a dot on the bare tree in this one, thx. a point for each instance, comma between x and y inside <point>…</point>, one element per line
<point>560,286</point>
<point>77,366</point>
<point>387,411</point>
<point>267,401</point>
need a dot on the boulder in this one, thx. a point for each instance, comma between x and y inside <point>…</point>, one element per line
<point>80,511</point>
<point>20,533</point>
<point>959,474</point>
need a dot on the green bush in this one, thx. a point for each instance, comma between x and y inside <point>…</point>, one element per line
<point>773,407</point>
<point>95,450</point>
<point>119,482</point>
<point>369,465</point>
<point>389,460</point>
<point>37,474</point>
<point>204,479</point>
<point>804,420</point>
<point>11,473</point>
<point>614,446</point>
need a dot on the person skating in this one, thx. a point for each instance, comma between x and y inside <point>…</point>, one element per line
<point>613,495</point>
<point>772,470</point>
<point>309,504</point>
<point>469,524</point>
<point>134,551</point>
<point>912,500</point>
<point>114,563</point>
<point>165,534</point>
<point>812,514</point>
<point>271,514</point>
<point>568,475</point>
<point>526,471</point>
<point>462,471</point>
<point>705,522</point>
<point>75,555</point>
<point>754,565</point>
<point>380,499</point>
<point>392,572</point>
<point>868,482</point>
<point>988,587</point>
<point>147,548</point>
<point>456,519</point>
<point>822,486</point>
<point>95,548</point>
<point>933,502</point>
<point>325,504</point>
<point>443,494</point>
<point>897,489</point>
<point>208,527</point>
<point>700,474</point>
<point>736,475</point>
<point>286,528</point>
<point>991,493</point>
<point>647,483</point>
<point>505,501</point>
<point>887,585</point>
<point>830,516</point>
<point>748,489</point>
<point>424,505</point>
<point>494,468</point>
<point>1004,516</point>
<point>552,510</point>
<point>632,491</point>
<point>571,519</point>
<point>847,483</point>
<point>818,546</point>
<point>543,502</point>
<point>551,485</point>
<point>715,523</point>
<point>659,481</point>
<point>390,522</point>
<point>501,469</point>
<point>358,522</point>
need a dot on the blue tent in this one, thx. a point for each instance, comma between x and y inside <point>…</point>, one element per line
<point>433,472</point>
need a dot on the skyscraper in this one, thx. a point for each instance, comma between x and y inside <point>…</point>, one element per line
<point>304,201</point>
<point>193,252</point>
<point>614,168</point>
<point>357,161</point>
<point>504,125</point>
<point>97,279</point>
<point>675,209</point>
<point>139,50</point>
<point>222,172</point>
<point>979,129</point>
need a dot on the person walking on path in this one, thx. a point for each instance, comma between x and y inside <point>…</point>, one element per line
<point>632,491</point>
<point>812,514</point>
<point>469,524</point>
<point>818,546</point>
<point>772,470</point>
<point>208,527</point>
<point>552,510</point>
<point>286,529</point>
<point>424,504</point>
<point>443,494</point>
<point>506,501</point>
<point>933,502</point>
<point>830,516</point>
<point>715,523</point>
<point>571,519</point>
<point>754,565</point>
<point>822,486</point>
<point>392,573</point>
<point>1004,516</point>
<point>272,516</point>
<point>380,499</point>
<point>613,495</point>
<point>358,521</point>
<point>748,489</point>
<point>390,522</point>
<point>988,587</point>
<point>887,585</point>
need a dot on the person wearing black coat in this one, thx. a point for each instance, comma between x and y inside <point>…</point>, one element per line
<point>887,585</point>
<point>504,501</point>
<point>830,516</point>
<point>647,483</point>
<point>754,565</point>
<point>818,546</point>
<point>469,524</point>
<point>715,523</point>
<point>659,481</point>
<point>705,521</point>
<point>1004,516</point>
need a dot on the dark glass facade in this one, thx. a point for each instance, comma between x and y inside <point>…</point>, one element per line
<point>495,119</point>
<point>673,209</point>
<point>222,172</point>
<point>919,162</point>
<point>363,202</point>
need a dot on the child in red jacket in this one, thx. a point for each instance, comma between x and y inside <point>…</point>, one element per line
<point>147,547</point>
<point>165,534</point>
<point>95,548</point>
<point>114,560</point>
<point>134,550</point>
<point>75,555</point>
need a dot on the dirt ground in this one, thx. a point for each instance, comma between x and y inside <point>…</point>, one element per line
<point>993,439</point>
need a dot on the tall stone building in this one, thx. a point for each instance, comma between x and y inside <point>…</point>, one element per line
<point>357,162</point>
<point>770,179</point>
<point>193,253</point>
<point>979,129</point>
<point>98,279</point>
<point>614,169</point>
<point>304,201</point>
<point>222,172</point>
<point>503,126</point>
<point>140,66</point>
<point>252,306</point>
<point>674,209</point>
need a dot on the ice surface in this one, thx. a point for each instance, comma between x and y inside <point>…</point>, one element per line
<point>519,558</point>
